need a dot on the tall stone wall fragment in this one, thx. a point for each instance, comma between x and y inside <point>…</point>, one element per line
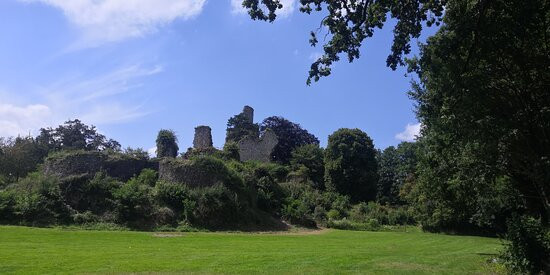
<point>248,113</point>
<point>203,137</point>
<point>115,165</point>
<point>258,149</point>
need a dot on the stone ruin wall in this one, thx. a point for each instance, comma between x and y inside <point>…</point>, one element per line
<point>88,163</point>
<point>203,137</point>
<point>184,172</point>
<point>124,167</point>
<point>248,113</point>
<point>258,149</point>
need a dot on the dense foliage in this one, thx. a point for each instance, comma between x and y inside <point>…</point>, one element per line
<point>239,127</point>
<point>290,136</point>
<point>75,135</point>
<point>350,165</point>
<point>348,23</point>
<point>396,168</point>
<point>167,144</point>
<point>483,100</point>
<point>308,165</point>
<point>20,156</point>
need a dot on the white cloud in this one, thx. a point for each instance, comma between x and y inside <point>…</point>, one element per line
<point>15,120</point>
<point>412,131</point>
<point>152,152</point>
<point>288,7</point>
<point>104,21</point>
<point>93,100</point>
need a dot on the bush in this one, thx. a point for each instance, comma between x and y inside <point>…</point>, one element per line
<point>344,224</point>
<point>38,201</point>
<point>261,181</point>
<point>84,194</point>
<point>527,249</point>
<point>270,195</point>
<point>385,215</point>
<point>215,207</point>
<point>306,205</point>
<point>135,205</point>
<point>231,151</point>
<point>171,194</point>
<point>147,177</point>
<point>7,206</point>
<point>298,212</point>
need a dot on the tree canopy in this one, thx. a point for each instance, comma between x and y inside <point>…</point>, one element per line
<point>349,23</point>
<point>350,164</point>
<point>396,166</point>
<point>75,135</point>
<point>290,136</point>
<point>239,127</point>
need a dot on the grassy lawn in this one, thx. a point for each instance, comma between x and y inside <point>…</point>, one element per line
<point>36,250</point>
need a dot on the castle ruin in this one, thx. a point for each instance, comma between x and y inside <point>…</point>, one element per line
<point>203,137</point>
<point>181,170</point>
<point>256,148</point>
<point>248,113</point>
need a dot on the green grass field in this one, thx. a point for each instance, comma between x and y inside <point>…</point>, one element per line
<point>36,250</point>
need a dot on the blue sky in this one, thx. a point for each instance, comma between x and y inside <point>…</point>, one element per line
<point>177,64</point>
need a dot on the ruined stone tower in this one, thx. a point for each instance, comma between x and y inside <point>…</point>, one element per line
<point>248,113</point>
<point>203,137</point>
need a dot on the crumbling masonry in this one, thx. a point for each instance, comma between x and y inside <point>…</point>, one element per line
<point>256,148</point>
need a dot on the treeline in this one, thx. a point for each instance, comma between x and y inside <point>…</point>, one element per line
<point>347,185</point>
<point>305,184</point>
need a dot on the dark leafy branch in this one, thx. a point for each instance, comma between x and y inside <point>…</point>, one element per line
<point>349,23</point>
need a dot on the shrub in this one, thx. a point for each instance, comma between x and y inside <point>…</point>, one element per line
<point>261,181</point>
<point>344,224</point>
<point>270,195</point>
<point>147,177</point>
<point>135,205</point>
<point>171,194</point>
<point>39,201</point>
<point>298,212</point>
<point>85,194</point>
<point>333,214</point>
<point>231,151</point>
<point>7,206</point>
<point>527,249</point>
<point>215,207</point>
<point>86,217</point>
<point>385,215</point>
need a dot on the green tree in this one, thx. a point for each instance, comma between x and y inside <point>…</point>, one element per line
<point>290,136</point>
<point>349,23</point>
<point>239,127</point>
<point>350,164</point>
<point>309,160</point>
<point>167,144</point>
<point>396,166</point>
<point>20,156</point>
<point>75,135</point>
<point>483,99</point>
